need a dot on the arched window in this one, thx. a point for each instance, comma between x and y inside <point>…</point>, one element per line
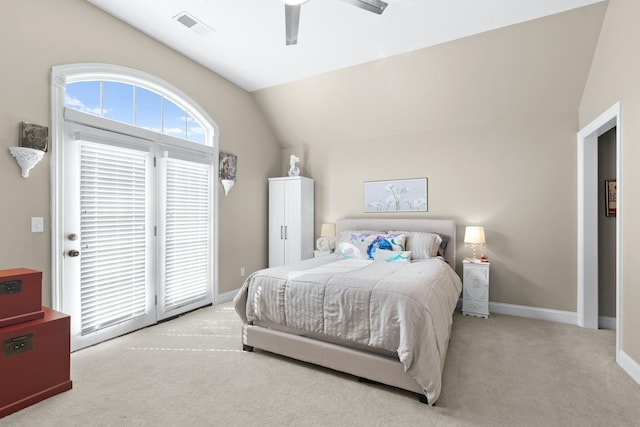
<point>134,105</point>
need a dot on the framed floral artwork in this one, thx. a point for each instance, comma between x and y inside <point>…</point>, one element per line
<point>400,195</point>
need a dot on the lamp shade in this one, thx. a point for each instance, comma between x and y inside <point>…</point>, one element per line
<point>328,230</point>
<point>474,235</point>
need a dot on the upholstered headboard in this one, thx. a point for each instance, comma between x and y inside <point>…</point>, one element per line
<point>445,227</point>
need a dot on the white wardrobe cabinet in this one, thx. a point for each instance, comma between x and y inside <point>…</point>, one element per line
<point>290,220</point>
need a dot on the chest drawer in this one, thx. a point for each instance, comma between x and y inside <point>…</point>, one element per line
<point>34,361</point>
<point>20,296</point>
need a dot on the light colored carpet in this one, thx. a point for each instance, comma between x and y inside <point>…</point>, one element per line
<point>190,371</point>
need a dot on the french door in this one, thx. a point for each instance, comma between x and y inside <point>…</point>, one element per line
<point>137,230</point>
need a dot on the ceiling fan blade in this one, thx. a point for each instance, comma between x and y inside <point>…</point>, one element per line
<point>292,19</point>
<point>375,6</point>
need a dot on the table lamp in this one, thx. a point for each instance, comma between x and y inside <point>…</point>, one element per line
<point>474,236</point>
<point>327,233</point>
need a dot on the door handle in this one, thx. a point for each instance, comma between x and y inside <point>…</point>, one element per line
<point>73,237</point>
<point>73,253</point>
<point>285,232</point>
<point>281,235</point>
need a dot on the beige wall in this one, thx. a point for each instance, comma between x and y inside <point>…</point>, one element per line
<point>38,34</point>
<point>490,120</point>
<point>615,76</point>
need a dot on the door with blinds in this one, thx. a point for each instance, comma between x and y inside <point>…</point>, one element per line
<point>137,230</point>
<point>185,246</point>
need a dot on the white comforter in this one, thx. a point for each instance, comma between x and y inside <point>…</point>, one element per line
<point>402,308</point>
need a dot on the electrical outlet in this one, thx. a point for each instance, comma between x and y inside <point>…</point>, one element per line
<point>242,272</point>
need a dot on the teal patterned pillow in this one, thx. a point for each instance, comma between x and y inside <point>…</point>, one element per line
<point>383,255</point>
<point>391,242</point>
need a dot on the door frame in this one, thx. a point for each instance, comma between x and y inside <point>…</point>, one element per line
<point>588,219</point>
<point>60,76</point>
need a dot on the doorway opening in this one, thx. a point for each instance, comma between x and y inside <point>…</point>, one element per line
<point>588,209</point>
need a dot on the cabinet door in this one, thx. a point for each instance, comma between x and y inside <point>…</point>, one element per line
<point>476,282</point>
<point>276,223</point>
<point>292,221</point>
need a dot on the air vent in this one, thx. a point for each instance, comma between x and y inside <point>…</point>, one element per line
<point>193,24</point>
<point>187,21</point>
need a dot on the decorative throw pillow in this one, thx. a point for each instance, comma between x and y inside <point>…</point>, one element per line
<point>347,235</point>
<point>383,255</point>
<point>391,242</point>
<point>358,245</point>
<point>422,244</point>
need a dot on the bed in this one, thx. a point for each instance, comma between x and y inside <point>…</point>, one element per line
<point>383,320</point>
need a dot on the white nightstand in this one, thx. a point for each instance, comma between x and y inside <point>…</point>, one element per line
<point>317,254</point>
<point>475,289</point>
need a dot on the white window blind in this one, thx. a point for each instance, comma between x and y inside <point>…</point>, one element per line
<point>187,245</point>
<point>113,195</point>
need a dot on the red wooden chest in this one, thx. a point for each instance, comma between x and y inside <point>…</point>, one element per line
<point>34,363</point>
<point>20,296</point>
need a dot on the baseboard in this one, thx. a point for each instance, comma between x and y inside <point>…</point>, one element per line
<point>560,316</point>
<point>226,297</point>
<point>534,312</point>
<point>630,366</point>
<point>605,322</point>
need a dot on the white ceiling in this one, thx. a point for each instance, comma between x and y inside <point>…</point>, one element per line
<point>247,44</point>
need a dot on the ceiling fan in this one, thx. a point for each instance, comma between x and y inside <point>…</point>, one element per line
<point>292,14</point>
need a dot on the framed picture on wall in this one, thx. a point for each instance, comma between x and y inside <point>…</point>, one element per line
<point>228,166</point>
<point>610,197</point>
<point>400,195</point>
<point>34,136</point>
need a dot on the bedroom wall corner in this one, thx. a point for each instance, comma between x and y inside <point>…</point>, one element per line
<point>614,77</point>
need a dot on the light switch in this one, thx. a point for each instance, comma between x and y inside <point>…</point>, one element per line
<point>37,224</point>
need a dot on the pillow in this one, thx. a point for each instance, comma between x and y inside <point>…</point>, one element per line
<point>358,245</point>
<point>443,245</point>
<point>391,242</point>
<point>422,244</point>
<point>347,235</point>
<point>383,255</point>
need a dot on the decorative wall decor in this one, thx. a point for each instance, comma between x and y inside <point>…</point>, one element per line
<point>27,158</point>
<point>401,195</point>
<point>228,170</point>
<point>610,192</point>
<point>34,136</point>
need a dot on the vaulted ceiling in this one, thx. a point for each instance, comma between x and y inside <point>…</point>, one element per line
<point>244,40</point>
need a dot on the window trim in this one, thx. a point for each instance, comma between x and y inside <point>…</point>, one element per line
<point>69,73</point>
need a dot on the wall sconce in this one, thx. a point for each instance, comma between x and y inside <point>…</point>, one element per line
<point>27,158</point>
<point>34,142</point>
<point>326,240</point>
<point>228,169</point>
<point>474,236</point>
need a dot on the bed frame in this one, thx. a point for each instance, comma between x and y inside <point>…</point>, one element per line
<point>367,366</point>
